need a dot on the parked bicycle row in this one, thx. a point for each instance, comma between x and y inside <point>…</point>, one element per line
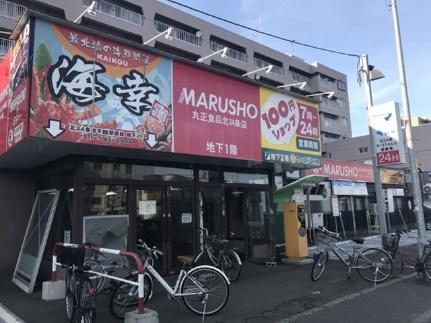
<point>204,288</point>
<point>203,281</point>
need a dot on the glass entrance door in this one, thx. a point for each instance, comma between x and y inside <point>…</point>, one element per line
<point>179,239</point>
<point>165,220</point>
<point>258,225</point>
<point>151,218</point>
<point>211,211</point>
<point>249,228</point>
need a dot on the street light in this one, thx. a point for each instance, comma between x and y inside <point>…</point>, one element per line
<point>222,53</point>
<point>419,212</point>
<point>329,94</point>
<point>267,70</point>
<point>90,10</point>
<point>301,86</point>
<point>166,33</point>
<point>367,75</point>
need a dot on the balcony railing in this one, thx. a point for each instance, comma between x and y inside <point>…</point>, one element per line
<point>327,85</point>
<point>117,12</point>
<point>179,34</point>
<point>275,69</point>
<point>232,53</point>
<point>11,10</point>
<point>5,45</point>
<point>299,77</point>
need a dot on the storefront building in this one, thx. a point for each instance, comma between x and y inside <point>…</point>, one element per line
<point>138,145</point>
<point>350,193</point>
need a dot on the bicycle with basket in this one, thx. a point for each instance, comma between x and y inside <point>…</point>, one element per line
<point>400,258</point>
<point>372,264</point>
<point>80,295</point>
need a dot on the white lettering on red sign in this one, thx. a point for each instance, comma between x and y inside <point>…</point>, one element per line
<point>216,103</point>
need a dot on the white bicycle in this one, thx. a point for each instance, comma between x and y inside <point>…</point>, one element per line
<point>203,289</point>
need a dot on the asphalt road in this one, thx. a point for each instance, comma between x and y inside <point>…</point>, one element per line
<point>284,293</point>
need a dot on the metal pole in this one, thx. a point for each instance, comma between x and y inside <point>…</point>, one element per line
<point>418,209</point>
<point>365,75</point>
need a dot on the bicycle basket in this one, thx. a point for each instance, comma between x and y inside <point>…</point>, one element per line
<point>325,242</point>
<point>69,256</point>
<point>390,242</point>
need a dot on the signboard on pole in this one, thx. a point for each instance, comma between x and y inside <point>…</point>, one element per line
<point>384,119</point>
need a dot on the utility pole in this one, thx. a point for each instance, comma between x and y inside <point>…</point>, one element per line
<point>365,75</point>
<point>418,209</point>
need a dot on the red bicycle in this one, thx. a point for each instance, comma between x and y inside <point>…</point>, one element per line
<point>400,259</point>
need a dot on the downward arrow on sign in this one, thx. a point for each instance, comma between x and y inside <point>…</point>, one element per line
<point>151,140</point>
<point>54,128</point>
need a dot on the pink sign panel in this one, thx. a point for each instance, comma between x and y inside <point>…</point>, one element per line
<point>215,115</point>
<point>339,170</point>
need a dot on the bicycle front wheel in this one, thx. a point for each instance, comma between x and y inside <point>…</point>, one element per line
<point>88,302</point>
<point>374,264</point>
<point>427,266</point>
<point>230,265</point>
<point>207,290</point>
<point>98,281</point>
<point>319,266</point>
<point>69,296</point>
<point>397,265</point>
<point>125,296</point>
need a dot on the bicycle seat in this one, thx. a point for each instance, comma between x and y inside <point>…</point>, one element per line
<point>358,240</point>
<point>186,260</point>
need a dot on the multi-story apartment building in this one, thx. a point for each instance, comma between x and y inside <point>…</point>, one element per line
<point>123,124</point>
<point>193,38</point>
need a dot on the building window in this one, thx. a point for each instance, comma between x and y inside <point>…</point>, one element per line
<point>363,150</point>
<point>245,178</point>
<point>342,85</point>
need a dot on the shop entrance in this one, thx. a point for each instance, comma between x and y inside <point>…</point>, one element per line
<point>248,222</point>
<point>164,219</point>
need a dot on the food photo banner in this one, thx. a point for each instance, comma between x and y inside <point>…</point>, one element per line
<point>92,90</point>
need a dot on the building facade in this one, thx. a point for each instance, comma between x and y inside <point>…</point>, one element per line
<point>122,133</point>
<point>193,38</point>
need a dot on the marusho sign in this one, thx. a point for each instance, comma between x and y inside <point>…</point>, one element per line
<point>341,170</point>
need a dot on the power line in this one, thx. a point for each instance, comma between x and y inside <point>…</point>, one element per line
<point>263,32</point>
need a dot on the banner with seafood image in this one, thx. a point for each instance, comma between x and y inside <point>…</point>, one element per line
<point>92,90</point>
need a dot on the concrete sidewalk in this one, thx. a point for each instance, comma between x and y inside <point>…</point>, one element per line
<point>262,294</point>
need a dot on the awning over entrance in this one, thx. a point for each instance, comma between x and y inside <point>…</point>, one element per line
<point>285,193</point>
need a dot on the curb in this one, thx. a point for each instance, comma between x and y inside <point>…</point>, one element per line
<point>8,316</point>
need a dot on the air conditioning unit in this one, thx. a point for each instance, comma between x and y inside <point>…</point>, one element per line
<point>317,220</point>
<point>427,188</point>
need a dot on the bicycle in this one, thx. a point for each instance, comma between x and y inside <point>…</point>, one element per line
<point>391,243</point>
<point>372,264</point>
<point>216,250</point>
<point>80,296</point>
<point>203,289</point>
<point>100,281</point>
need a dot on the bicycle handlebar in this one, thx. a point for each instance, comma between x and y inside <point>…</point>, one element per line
<point>335,234</point>
<point>154,251</point>
<point>204,230</point>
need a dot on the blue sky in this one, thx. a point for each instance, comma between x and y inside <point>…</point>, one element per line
<point>351,26</point>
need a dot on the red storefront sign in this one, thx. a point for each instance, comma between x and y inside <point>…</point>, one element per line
<point>341,170</point>
<point>215,115</point>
